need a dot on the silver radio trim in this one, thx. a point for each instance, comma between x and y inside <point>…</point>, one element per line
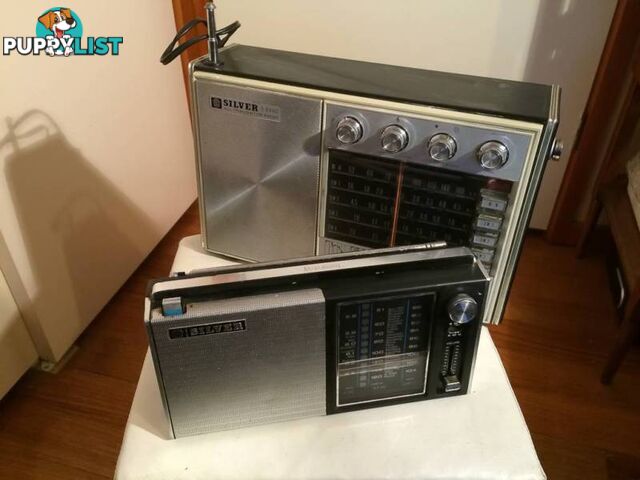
<point>250,272</point>
<point>533,183</point>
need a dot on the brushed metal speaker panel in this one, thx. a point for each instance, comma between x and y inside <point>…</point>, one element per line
<point>275,370</point>
<point>258,172</point>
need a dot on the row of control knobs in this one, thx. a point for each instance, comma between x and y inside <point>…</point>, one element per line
<point>441,147</point>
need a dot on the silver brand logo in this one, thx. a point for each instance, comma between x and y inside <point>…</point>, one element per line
<point>331,246</point>
<point>321,266</point>
<point>242,107</point>
<point>208,329</point>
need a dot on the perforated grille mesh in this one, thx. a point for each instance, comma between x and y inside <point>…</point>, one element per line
<point>272,371</point>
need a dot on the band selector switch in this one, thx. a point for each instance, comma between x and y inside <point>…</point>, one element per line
<point>451,383</point>
<point>451,363</point>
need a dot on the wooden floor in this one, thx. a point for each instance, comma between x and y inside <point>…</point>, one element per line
<point>558,327</point>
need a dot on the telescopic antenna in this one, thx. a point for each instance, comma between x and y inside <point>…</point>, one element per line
<point>213,40</point>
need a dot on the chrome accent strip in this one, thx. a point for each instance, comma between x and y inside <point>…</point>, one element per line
<point>196,146</point>
<point>362,253</point>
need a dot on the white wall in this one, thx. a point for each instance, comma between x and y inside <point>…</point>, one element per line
<point>548,41</point>
<point>85,197</point>
<point>17,352</point>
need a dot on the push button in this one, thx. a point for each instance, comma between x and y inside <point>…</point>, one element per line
<point>492,200</point>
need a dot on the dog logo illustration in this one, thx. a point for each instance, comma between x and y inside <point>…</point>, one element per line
<point>59,34</point>
<point>62,24</point>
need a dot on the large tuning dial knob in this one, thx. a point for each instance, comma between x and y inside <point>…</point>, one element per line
<point>462,309</point>
<point>349,130</point>
<point>394,138</point>
<point>442,147</point>
<point>492,155</point>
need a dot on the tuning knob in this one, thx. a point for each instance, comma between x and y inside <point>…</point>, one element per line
<point>442,147</point>
<point>462,309</point>
<point>492,155</point>
<point>394,138</point>
<point>349,130</point>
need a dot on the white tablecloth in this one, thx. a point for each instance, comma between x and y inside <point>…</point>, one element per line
<point>481,435</point>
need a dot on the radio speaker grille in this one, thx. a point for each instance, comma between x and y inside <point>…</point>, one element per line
<point>273,369</point>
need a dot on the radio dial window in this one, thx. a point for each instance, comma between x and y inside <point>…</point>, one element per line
<point>383,347</point>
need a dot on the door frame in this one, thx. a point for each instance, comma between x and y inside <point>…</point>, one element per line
<point>608,92</point>
<point>184,11</point>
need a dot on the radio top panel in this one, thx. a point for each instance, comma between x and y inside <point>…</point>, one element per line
<point>504,98</point>
<point>278,274</point>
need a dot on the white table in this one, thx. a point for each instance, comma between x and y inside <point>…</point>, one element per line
<point>481,435</point>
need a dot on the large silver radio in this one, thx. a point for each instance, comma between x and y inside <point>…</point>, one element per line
<point>260,343</point>
<point>300,155</point>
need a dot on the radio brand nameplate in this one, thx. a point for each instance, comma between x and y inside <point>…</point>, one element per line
<point>250,109</point>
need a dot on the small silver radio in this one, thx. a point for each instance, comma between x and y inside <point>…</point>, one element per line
<point>261,343</point>
<point>300,155</point>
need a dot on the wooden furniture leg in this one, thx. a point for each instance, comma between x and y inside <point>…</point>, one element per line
<point>628,333</point>
<point>590,221</point>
